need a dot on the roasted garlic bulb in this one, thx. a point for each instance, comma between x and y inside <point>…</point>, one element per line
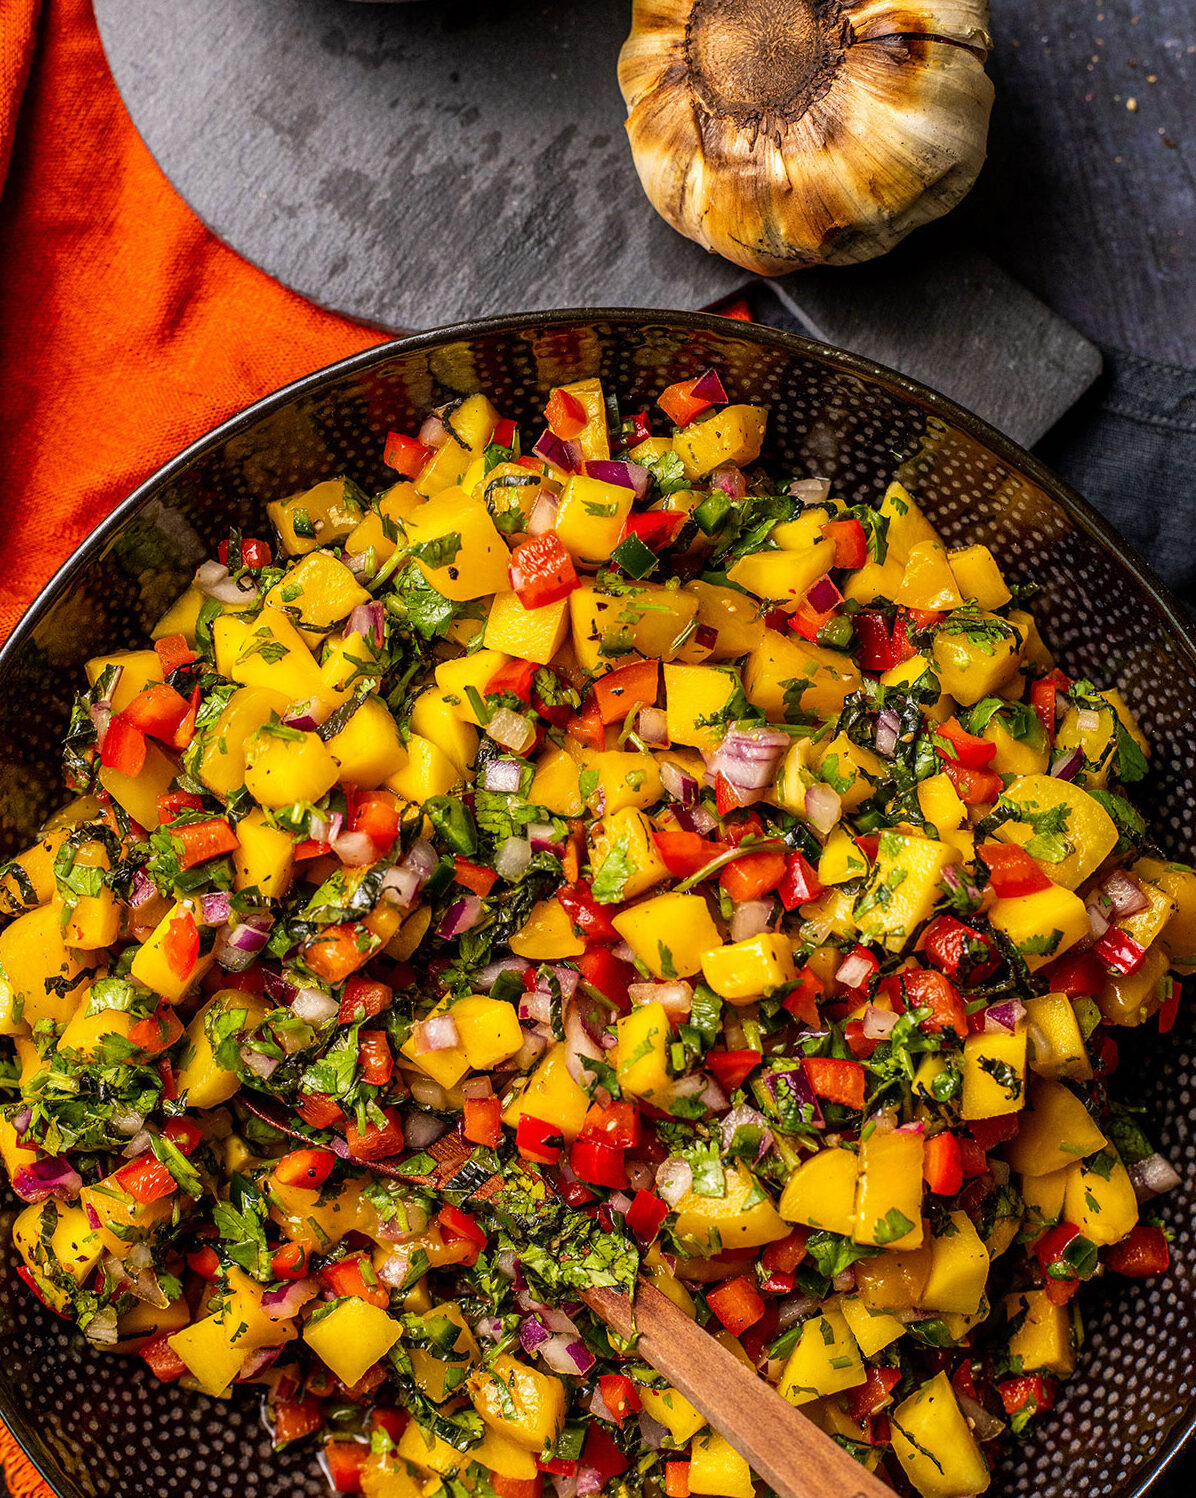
<point>787,133</point>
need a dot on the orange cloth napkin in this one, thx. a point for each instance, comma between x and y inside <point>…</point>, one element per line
<point>126,328</point>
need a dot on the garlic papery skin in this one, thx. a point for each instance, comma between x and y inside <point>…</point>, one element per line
<point>789,133</point>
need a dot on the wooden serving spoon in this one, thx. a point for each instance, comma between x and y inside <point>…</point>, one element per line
<point>788,1451</point>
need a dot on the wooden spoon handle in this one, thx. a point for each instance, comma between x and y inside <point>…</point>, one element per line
<point>788,1451</point>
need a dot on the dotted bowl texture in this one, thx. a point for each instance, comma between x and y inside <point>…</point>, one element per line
<point>102,1425</point>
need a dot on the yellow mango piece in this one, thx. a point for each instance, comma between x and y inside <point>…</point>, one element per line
<point>489,1030</point>
<point>1056,1044</point>
<point>1043,1340</point>
<point>533,634</point>
<point>122,1220</point>
<point>267,651</point>
<point>590,516</point>
<point>1146,926</point>
<point>642,1050</point>
<point>783,677</point>
<point>872,1330</point>
<point>528,1409</point>
<point>744,971</point>
<point>316,593</point>
<point>658,623</point>
<point>446,1066</point>
<point>471,423</point>
<point>220,755</point>
<point>1043,1197</point>
<point>736,1224</point>
<point>668,934</point>
<point>33,959</point>
<point>841,859</point>
<point>368,750</point>
<point>1132,999</point>
<point>696,697</point>
<point>85,1033</point>
<point>736,619</point>
<point>552,1095</point>
<point>460,678</point>
<point>733,435</point>
<point>436,719</point>
<point>903,887</point>
<point>1029,756</point>
<point>547,935</point>
<point>1056,1130</point>
<point>319,1221</point>
<point>1043,925</point>
<point>74,1245</point>
<point>265,859</point>
<point>1078,832</point>
<point>716,1467</point>
<point>592,439</point>
<point>850,769</point>
<point>138,794</point>
<point>319,516</point>
<point>821,1192</point>
<point>894,1280</point>
<point>93,921</point>
<point>202,1081</point>
<point>29,879</point>
<point>934,1443</point>
<point>825,1360</point>
<point>978,577</point>
<point>976,653</point>
<point>907,524</point>
<point>888,1198</point>
<point>670,1408</point>
<point>623,855</point>
<point>352,1337</point>
<point>504,1456</point>
<point>467,557</point>
<point>389,1475</point>
<point>555,784</point>
<point>783,577</point>
<point>994,1073</point>
<point>428,772</point>
<point>138,670</point>
<point>928,581</point>
<point>345,662</point>
<point>1099,1199</point>
<point>283,765</point>
<point>959,1265</point>
<point>940,803</point>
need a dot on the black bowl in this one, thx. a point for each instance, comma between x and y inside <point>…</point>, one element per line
<point>100,1425</point>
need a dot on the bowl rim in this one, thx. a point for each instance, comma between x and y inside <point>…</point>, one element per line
<point>1088,519</point>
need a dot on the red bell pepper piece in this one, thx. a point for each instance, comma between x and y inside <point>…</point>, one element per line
<point>587,726</point>
<point>289,1262</point>
<point>123,748</point>
<point>157,1032</point>
<point>923,988</point>
<point>803,998</point>
<point>783,1255</point>
<point>1144,1251</point>
<point>1169,1008</point>
<point>679,403</point>
<point>964,747</point>
<point>363,998</point>
<point>869,1397</point>
<point>808,622</point>
<point>942,1164</point>
<point>685,853</point>
<point>565,414</point>
<point>1012,872</point>
<point>406,455</point>
<point>655,528</point>
<point>516,1487</point>
<point>989,1132</point>
<point>162,1360</point>
<point>354,1275</point>
<point>504,431</point>
<point>737,1303</point>
<point>868,965</point>
<point>875,642</point>
<point>610,975</point>
<point>171,803</point>
<point>601,1453</point>
<point>645,1215</point>
<point>851,542</point>
<point>306,1168</point>
<point>1042,700</point>
<point>172,652</point>
<point>204,840</point>
<point>483,1121</point>
<point>461,1225</point>
<point>753,876</point>
<point>542,571</point>
<point>676,1479</point>
<point>732,1068</point>
<point>319,1110</point>
<point>157,710</point>
<point>800,884</point>
<point>346,1461</point>
<point>204,1262</point>
<point>1120,952</point>
<point>375,1141</point>
<point>1029,1389</point>
<point>626,688</point>
<point>374,1058</point>
<point>960,951</point>
<point>378,817</point>
<point>619,1395</point>
<point>618,1124</point>
<point>1077,974</point>
<point>514,678</point>
<point>532,1136</point>
<point>972,1159</point>
<point>296,1418</point>
<point>591,921</point>
<point>834,1080</point>
<point>598,1163</point>
<point>473,876</point>
<point>181,945</point>
<point>146,1179</point>
<point>973,787</point>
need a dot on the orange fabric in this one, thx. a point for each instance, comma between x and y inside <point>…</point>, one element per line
<point>126,328</point>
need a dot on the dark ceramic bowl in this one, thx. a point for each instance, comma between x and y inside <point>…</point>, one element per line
<point>102,1425</point>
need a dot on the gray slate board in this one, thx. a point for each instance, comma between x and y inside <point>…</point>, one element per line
<point>422,164</point>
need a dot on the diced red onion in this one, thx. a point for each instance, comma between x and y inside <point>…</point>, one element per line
<point>985,1426</point>
<point>799,1085</point>
<point>888,730</point>
<point>324,829</point>
<point>567,978</point>
<point>433,433</point>
<point>1065,766</point>
<point>580,1046</point>
<point>564,1354</point>
<point>1097,924</point>
<point>533,1333</point>
<point>512,858</point>
<point>1126,896</point>
<point>878,1023</point>
<point>695,819</point>
<point>536,1006</point>
<point>436,1033</point>
<point>427,1093</point>
<point>641,1176</point>
<point>844,1280</point>
<point>1006,1015</point>
<point>395,1269</point>
<point>141,890</point>
<point>314,1006</point>
<point>652,725</point>
<point>823,807</point>
<point>462,915</point>
<point>24,1117</point>
<point>680,785</point>
<point>486,977</point>
<point>400,886</point>
<point>41,1179</point>
<point>259,1063</point>
<point>1087,720</point>
<point>702,1086</point>
<point>512,730</point>
<point>238,945</point>
<point>422,859</point>
<point>673,1179</point>
<point>563,455</point>
<point>369,621</point>
<point>748,758</point>
<point>284,1303</point>
<point>676,996</point>
<point>796,1308</point>
<point>215,908</point>
<point>742,1117</point>
<point>810,491</point>
<point>855,970</point>
<point>307,715</point>
<point>589,1480</point>
<point>750,918</point>
<point>355,850</point>
<point>422,1129</point>
<point>102,1330</point>
<point>543,515</point>
<point>1153,1177</point>
<point>214,581</point>
<point>544,839</point>
<point>598,1407</point>
<point>535,1043</point>
<point>477,1087</point>
<point>137,1145</point>
<point>624,475</point>
<point>502,775</point>
<point>709,387</point>
<point>730,480</point>
<point>565,1486</point>
<point>490,1328</point>
<point>823,596</point>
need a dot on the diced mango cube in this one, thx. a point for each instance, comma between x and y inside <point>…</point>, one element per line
<point>825,1360</point>
<point>351,1337</point>
<point>669,933</point>
<point>744,971</point>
